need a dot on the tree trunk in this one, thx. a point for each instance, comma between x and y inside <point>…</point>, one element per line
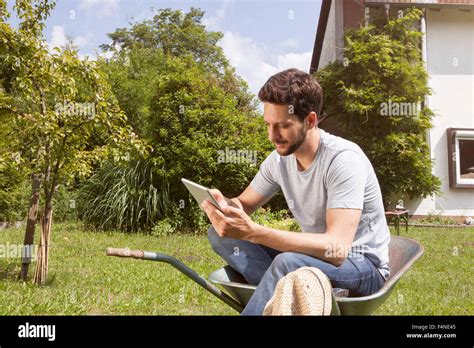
<point>28,246</point>
<point>41,271</point>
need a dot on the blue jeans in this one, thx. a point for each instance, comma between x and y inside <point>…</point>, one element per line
<point>264,267</point>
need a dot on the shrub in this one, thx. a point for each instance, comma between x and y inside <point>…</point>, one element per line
<point>14,195</point>
<point>382,68</point>
<point>65,204</point>
<point>186,101</point>
<point>164,227</point>
<point>128,198</point>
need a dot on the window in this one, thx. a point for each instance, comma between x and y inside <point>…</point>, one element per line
<point>461,157</point>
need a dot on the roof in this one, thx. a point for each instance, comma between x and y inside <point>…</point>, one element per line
<point>326,7</point>
<point>422,2</point>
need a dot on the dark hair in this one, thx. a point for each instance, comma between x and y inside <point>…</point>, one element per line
<point>295,88</point>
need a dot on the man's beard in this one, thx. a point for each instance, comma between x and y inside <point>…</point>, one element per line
<point>301,136</point>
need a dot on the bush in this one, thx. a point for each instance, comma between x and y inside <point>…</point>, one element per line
<point>13,200</point>
<point>189,105</point>
<point>125,197</point>
<point>382,67</point>
<point>15,191</point>
<point>164,227</point>
<point>65,204</point>
<point>15,194</point>
<point>437,219</point>
<point>264,216</point>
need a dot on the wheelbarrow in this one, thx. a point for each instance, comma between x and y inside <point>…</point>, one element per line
<point>403,252</point>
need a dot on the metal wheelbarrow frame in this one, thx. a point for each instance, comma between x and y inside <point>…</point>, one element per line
<point>403,252</point>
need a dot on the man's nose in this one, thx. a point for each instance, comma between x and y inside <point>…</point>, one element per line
<point>273,133</point>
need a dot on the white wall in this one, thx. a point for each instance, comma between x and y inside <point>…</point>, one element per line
<point>333,38</point>
<point>450,62</point>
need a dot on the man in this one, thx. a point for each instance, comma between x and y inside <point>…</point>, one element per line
<point>331,190</point>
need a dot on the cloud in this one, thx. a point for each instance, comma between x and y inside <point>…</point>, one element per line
<point>248,58</point>
<point>252,60</point>
<point>214,21</point>
<point>101,7</point>
<point>301,61</point>
<point>107,55</point>
<point>88,56</point>
<point>80,41</point>
<point>94,56</point>
<point>58,37</point>
<point>289,43</point>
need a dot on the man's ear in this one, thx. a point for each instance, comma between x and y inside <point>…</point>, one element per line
<point>311,119</point>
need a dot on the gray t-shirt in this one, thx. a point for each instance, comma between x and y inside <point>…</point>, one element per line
<point>341,176</point>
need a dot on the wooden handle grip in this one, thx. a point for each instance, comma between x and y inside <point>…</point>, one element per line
<point>125,252</point>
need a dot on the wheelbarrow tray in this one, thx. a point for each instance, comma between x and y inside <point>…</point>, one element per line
<point>234,283</point>
<point>403,252</point>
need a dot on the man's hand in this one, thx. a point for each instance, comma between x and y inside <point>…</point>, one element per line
<point>232,222</point>
<point>224,201</point>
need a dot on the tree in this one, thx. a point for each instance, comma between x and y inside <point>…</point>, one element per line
<point>63,115</point>
<point>375,97</point>
<point>176,34</point>
<point>187,102</point>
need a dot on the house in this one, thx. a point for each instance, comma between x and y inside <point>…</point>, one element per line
<point>448,52</point>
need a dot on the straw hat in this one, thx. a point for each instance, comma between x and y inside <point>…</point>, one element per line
<point>306,291</point>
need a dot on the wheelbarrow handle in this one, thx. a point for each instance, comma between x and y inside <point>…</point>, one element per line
<point>125,252</point>
<point>155,256</point>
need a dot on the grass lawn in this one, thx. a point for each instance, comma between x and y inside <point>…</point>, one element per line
<point>83,281</point>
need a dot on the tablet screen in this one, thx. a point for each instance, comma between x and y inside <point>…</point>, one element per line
<point>200,193</point>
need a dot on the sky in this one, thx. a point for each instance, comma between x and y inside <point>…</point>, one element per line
<point>261,37</point>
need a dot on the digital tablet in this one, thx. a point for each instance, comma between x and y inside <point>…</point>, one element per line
<point>200,193</point>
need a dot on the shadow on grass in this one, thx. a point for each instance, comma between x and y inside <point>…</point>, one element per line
<point>9,270</point>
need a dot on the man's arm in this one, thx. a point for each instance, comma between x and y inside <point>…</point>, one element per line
<point>346,179</point>
<point>332,246</point>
